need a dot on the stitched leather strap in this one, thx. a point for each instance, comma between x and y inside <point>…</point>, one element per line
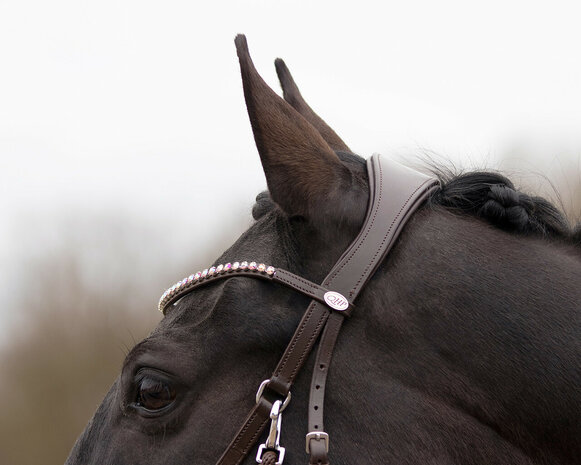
<point>390,204</point>
<point>278,275</point>
<point>298,349</point>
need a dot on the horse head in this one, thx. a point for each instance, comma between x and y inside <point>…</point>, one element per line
<point>464,346</point>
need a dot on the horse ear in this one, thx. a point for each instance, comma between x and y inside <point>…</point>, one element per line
<point>302,172</point>
<point>293,96</point>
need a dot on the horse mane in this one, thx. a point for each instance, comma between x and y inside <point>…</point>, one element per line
<point>484,194</point>
<point>494,198</point>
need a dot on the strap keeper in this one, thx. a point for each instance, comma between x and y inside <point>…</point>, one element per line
<point>317,436</point>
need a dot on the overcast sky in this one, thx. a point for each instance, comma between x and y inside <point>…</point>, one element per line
<point>135,108</point>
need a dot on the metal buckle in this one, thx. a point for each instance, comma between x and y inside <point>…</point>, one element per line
<point>317,435</point>
<point>273,441</point>
<point>261,390</point>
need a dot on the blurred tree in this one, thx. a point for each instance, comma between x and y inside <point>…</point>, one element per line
<point>88,293</point>
<point>61,362</point>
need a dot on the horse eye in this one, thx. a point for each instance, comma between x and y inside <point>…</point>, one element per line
<point>154,393</point>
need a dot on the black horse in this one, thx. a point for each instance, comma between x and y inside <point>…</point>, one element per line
<point>464,346</point>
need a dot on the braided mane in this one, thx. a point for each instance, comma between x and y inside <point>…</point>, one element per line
<point>494,198</point>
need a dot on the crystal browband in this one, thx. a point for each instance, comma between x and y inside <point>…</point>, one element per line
<point>332,299</point>
<point>187,284</point>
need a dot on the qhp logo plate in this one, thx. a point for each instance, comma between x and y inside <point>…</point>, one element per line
<point>336,301</point>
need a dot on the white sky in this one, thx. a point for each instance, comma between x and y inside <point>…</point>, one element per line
<point>135,108</point>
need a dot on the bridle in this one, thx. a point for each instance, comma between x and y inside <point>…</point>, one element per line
<point>395,194</point>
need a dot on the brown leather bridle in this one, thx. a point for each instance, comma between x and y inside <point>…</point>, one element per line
<point>395,193</point>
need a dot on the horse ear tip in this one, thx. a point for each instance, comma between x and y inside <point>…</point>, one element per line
<point>281,67</point>
<point>241,45</point>
<point>283,73</point>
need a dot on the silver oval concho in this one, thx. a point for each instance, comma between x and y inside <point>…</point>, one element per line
<point>336,301</point>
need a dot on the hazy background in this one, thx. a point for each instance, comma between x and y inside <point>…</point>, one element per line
<point>127,160</point>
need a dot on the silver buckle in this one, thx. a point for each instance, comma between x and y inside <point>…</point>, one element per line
<point>317,435</point>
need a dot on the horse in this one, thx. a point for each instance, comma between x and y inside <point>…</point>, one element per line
<point>463,347</point>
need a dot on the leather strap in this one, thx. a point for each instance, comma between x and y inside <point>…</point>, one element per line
<point>390,204</point>
<point>248,434</point>
<point>277,275</point>
<point>298,349</point>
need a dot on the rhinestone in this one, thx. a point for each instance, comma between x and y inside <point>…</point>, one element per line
<point>252,266</point>
<point>261,268</point>
<point>212,271</point>
<point>190,278</point>
<point>219,269</point>
<point>184,281</point>
<point>270,270</point>
<point>227,267</point>
<point>205,273</point>
<point>243,265</point>
<point>197,276</point>
<point>235,266</point>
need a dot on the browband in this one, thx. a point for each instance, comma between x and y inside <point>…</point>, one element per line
<point>395,194</point>
<point>254,270</point>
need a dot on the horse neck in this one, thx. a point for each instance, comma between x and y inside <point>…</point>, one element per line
<point>480,321</point>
